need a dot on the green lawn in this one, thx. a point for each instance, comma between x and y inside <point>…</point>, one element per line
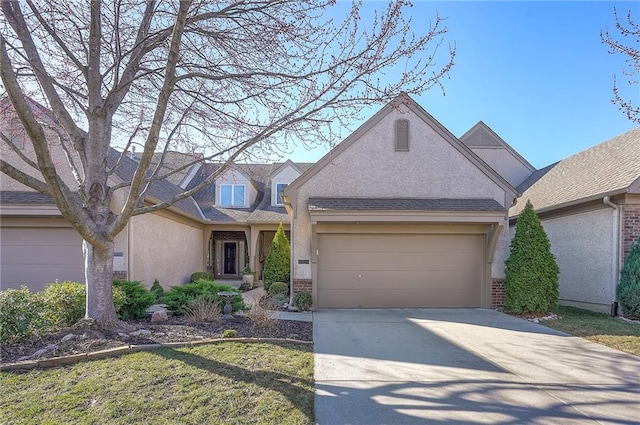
<point>597,327</point>
<point>230,383</point>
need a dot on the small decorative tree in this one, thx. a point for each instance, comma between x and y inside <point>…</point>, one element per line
<point>628,290</point>
<point>277,267</point>
<point>531,283</point>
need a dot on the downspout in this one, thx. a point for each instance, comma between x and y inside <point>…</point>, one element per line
<point>615,241</point>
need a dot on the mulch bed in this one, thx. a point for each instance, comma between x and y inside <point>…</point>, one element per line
<point>175,330</point>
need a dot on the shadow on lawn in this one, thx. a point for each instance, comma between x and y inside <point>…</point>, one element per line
<point>300,392</point>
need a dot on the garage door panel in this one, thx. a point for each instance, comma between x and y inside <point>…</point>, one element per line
<point>400,270</point>
<point>38,254</point>
<point>390,243</point>
<point>383,298</point>
<point>390,280</point>
<point>381,261</point>
<point>35,256</point>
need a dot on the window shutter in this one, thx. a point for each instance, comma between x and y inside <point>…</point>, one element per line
<point>402,136</point>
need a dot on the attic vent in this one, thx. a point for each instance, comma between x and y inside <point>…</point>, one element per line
<point>402,136</point>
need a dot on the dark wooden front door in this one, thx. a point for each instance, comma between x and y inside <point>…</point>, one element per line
<point>230,258</point>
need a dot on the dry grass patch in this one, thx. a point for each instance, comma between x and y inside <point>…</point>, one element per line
<point>228,383</point>
<point>598,327</point>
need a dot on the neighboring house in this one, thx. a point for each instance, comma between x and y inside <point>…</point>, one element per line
<point>401,214</point>
<point>221,229</point>
<point>589,205</point>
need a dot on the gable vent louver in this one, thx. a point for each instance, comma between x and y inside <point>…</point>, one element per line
<point>402,136</point>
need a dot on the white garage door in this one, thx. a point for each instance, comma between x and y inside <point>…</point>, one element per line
<point>399,270</point>
<point>37,256</point>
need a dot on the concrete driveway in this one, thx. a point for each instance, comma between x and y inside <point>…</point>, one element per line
<point>471,366</point>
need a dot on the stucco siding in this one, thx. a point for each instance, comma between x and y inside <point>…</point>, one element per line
<point>583,245</point>
<point>164,249</point>
<point>503,161</point>
<point>370,167</point>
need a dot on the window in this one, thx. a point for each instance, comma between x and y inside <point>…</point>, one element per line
<point>402,136</point>
<point>279,189</point>
<point>232,195</point>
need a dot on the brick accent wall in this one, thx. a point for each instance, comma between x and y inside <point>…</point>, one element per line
<point>630,227</point>
<point>122,275</point>
<point>302,285</point>
<point>497,293</point>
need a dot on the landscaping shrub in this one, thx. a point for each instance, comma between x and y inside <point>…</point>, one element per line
<point>157,290</point>
<point>303,301</point>
<point>279,288</point>
<point>275,302</point>
<point>230,333</point>
<point>277,267</point>
<point>64,303</point>
<point>628,289</point>
<point>262,318</point>
<point>200,276</point>
<point>531,283</point>
<point>178,297</point>
<point>20,314</point>
<point>203,309</point>
<point>137,299</point>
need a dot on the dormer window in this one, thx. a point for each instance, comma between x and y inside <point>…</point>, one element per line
<point>402,136</point>
<point>232,195</point>
<point>279,189</point>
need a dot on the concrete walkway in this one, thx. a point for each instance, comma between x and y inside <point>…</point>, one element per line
<point>422,366</point>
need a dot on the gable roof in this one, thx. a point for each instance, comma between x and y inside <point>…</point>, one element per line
<point>610,168</point>
<point>482,136</point>
<point>406,100</point>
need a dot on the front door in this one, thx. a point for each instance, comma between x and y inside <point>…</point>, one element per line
<point>230,258</point>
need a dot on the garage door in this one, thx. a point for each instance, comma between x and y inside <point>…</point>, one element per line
<point>399,270</point>
<point>37,256</point>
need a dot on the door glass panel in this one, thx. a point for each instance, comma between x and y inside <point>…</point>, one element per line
<point>230,257</point>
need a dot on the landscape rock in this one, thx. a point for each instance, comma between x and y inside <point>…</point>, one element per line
<point>69,337</point>
<point>159,316</point>
<point>141,332</point>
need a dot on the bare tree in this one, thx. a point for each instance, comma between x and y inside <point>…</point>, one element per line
<point>627,44</point>
<point>232,79</point>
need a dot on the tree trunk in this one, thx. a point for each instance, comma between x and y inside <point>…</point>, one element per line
<point>98,271</point>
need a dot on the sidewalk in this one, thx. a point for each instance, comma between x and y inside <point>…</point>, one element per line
<point>254,295</point>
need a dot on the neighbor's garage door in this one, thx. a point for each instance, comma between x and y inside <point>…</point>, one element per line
<point>399,270</point>
<point>37,256</point>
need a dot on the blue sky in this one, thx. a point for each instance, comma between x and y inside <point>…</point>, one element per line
<point>535,72</point>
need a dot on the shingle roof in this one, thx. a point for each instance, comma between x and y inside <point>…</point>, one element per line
<point>161,190</point>
<point>404,204</point>
<point>610,167</point>
<point>260,211</point>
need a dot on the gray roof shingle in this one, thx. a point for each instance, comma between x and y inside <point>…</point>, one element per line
<point>24,197</point>
<point>607,168</point>
<point>404,204</point>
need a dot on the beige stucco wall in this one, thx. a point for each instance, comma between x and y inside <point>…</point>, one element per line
<point>165,249</point>
<point>583,245</point>
<point>370,167</point>
<point>503,161</point>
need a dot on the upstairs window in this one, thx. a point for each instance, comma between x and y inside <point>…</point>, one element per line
<point>402,136</point>
<point>232,195</point>
<point>279,189</point>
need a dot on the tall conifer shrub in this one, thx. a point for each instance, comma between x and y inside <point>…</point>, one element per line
<point>277,267</point>
<point>531,283</point>
<point>628,290</point>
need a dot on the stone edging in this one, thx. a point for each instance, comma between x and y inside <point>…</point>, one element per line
<point>125,349</point>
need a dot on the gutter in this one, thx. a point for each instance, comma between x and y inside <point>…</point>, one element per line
<point>615,242</point>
